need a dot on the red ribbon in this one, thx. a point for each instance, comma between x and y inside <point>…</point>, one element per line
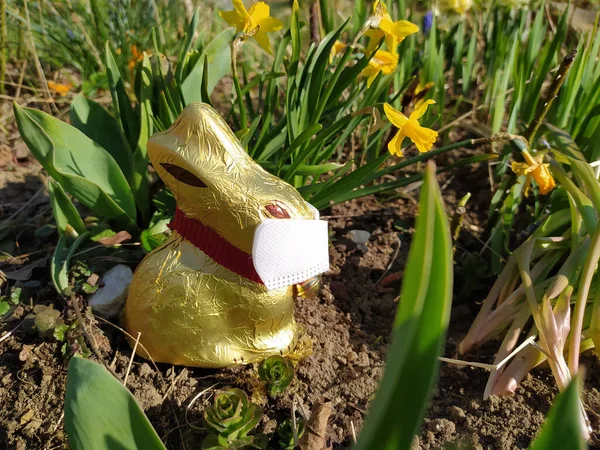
<point>215,246</point>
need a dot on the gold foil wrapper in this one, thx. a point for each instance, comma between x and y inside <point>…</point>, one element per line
<point>189,309</point>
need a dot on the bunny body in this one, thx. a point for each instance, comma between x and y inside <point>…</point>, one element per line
<point>195,299</point>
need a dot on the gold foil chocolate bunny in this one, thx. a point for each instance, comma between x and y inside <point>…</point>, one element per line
<point>198,299</point>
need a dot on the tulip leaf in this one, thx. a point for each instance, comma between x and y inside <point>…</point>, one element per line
<point>419,329</point>
<point>81,166</point>
<point>63,209</point>
<point>101,414</point>
<point>102,128</point>
<point>139,179</point>
<point>218,58</point>
<point>59,265</point>
<point>120,99</point>
<point>563,427</point>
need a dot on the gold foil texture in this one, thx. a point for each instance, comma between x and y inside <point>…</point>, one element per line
<point>189,309</point>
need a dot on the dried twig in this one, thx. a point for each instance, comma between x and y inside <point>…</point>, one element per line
<point>89,337</point>
<point>137,341</point>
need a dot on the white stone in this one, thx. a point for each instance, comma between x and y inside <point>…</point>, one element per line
<point>109,299</point>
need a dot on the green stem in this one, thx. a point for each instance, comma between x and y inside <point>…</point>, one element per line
<point>235,45</point>
<point>2,44</point>
<point>582,295</point>
<point>544,107</point>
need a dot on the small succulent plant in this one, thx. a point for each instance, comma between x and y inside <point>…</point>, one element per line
<point>285,431</point>
<point>229,420</point>
<point>277,372</point>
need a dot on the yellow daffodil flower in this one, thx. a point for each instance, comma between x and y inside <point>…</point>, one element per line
<point>423,87</point>
<point>60,89</point>
<point>255,22</point>
<point>136,56</point>
<point>338,47</point>
<point>458,6</point>
<point>409,127</point>
<point>533,167</point>
<point>381,61</point>
<point>394,32</point>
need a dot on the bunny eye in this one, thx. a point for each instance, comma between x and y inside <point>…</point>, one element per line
<point>185,176</point>
<point>277,211</point>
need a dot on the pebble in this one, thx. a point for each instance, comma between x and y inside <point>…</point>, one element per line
<point>108,301</point>
<point>145,370</point>
<point>363,360</point>
<point>457,413</point>
<point>360,238</point>
<point>351,356</point>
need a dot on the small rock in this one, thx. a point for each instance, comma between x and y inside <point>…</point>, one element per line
<point>351,356</point>
<point>27,417</point>
<point>25,352</point>
<point>145,370</point>
<point>457,413</point>
<point>416,444</point>
<point>360,238</point>
<point>21,151</point>
<point>342,360</point>
<point>363,360</point>
<point>443,427</point>
<point>108,301</point>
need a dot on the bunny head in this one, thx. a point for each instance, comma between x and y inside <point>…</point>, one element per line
<point>215,182</point>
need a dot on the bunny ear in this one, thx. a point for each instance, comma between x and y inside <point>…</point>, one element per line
<point>182,175</point>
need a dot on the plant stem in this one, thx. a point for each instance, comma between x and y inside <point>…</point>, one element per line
<point>582,295</point>
<point>2,44</point>
<point>235,45</point>
<point>544,107</point>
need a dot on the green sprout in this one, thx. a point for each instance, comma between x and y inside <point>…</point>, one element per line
<point>285,431</point>
<point>277,372</point>
<point>229,420</point>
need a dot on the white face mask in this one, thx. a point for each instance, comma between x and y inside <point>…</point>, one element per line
<point>290,251</point>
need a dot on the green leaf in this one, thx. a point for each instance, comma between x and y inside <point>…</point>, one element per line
<point>101,414</point>
<point>59,265</point>
<point>96,123</point>
<point>218,58</point>
<point>563,425</point>
<point>63,209</point>
<point>4,307</point>
<point>120,99</point>
<point>139,179</point>
<point>419,329</point>
<point>82,167</point>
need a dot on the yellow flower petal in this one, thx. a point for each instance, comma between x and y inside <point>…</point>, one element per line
<point>424,138</point>
<point>232,18</point>
<point>421,108</point>
<point>533,168</point>
<point>395,145</point>
<point>405,28</point>
<point>259,11</point>
<point>396,117</point>
<point>544,179</point>
<point>521,168</point>
<point>60,89</point>
<point>375,35</point>
<point>263,40</point>
<point>238,6</point>
<point>270,24</point>
<point>379,8</point>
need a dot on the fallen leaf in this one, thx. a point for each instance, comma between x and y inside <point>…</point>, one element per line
<point>121,236</point>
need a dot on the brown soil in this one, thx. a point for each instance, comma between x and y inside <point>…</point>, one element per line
<point>344,339</point>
